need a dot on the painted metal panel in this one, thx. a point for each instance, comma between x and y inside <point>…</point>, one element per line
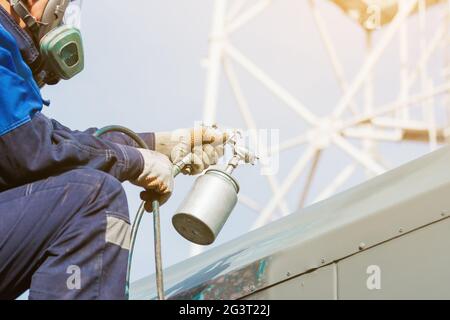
<point>320,284</point>
<point>413,266</point>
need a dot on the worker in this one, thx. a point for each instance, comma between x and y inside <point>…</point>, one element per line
<point>64,222</point>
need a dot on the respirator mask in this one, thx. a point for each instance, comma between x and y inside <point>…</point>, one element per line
<point>57,37</point>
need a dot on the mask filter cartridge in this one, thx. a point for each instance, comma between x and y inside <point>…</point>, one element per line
<point>62,49</point>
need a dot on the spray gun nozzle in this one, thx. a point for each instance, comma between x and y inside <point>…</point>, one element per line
<point>243,153</point>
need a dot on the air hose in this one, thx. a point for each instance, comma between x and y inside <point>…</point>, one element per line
<point>137,220</point>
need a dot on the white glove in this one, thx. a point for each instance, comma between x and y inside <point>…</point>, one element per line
<point>156,178</point>
<point>205,143</point>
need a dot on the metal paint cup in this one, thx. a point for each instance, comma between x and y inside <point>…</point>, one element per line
<point>207,207</point>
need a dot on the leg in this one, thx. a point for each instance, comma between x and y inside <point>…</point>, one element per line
<point>66,237</point>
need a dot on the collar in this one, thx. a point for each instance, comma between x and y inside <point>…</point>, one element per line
<point>24,41</point>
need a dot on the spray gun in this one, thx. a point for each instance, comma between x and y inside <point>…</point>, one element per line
<point>204,211</point>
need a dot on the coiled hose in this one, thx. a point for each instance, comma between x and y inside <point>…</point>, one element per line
<point>137,220</point>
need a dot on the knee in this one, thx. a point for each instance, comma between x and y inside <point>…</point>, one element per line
<point>106,184</point>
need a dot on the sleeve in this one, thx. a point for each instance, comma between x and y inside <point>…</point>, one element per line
<point>44,147</point>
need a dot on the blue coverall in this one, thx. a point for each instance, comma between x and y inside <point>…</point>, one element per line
<point>64,223</point>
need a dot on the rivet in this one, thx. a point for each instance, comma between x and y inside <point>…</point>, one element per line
<point>400,230</point>
<point>288,274</point>
<point>322,260</point>
<point>361,246</point>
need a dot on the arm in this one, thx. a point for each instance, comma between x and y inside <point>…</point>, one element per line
<point>43,147</point>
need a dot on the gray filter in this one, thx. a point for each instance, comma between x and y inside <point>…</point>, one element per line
<point>207,206</point>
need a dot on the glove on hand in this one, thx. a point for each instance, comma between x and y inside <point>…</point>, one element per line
<point>205,143</point>
<point>156,178</point>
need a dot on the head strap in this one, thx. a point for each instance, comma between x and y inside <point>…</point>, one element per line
<point>22,11</point>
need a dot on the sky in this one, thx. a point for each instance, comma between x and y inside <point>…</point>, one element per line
<point>144,70</point>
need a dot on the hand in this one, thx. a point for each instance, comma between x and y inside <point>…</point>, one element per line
<point>205,143</point>
<point>156,178</point>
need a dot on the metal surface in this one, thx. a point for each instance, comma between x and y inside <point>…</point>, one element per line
<point>319,284</point>
<point>413,266</point>
<point>207,206</point>
<point>406,198</point>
